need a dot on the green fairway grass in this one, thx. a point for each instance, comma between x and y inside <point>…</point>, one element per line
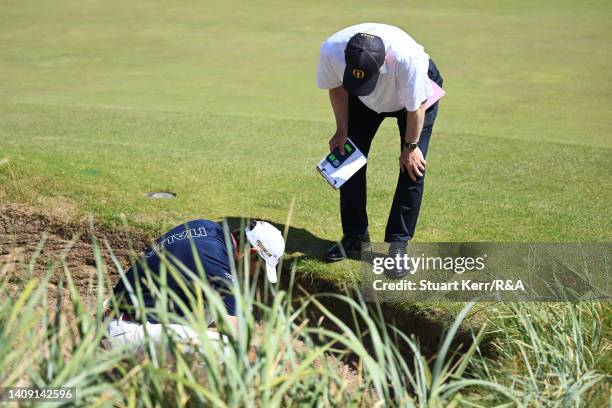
<point>102,102</point>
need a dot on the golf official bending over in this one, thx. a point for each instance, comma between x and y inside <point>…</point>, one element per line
<point>375,71</point>
<point>177,246</point>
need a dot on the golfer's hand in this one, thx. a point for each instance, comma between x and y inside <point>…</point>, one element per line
<point>338,139</point>
<point>412,162</point>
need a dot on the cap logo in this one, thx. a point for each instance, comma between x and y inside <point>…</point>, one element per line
<point>358,73</point>
<point>263,248</point>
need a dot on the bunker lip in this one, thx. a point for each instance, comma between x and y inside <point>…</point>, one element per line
<point>21,230</point>
<point>160,194</point>
<point>22,227</point>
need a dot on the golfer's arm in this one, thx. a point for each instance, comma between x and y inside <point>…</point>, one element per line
<point>414,125</point>
<point>339,102</point>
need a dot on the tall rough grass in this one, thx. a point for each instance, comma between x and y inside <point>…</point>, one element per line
<point>551,354</point>
<point>547,354</point>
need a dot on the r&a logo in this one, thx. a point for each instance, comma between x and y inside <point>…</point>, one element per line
<point>358,73</point>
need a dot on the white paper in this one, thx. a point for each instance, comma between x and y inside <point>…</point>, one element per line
<point>336,177</point>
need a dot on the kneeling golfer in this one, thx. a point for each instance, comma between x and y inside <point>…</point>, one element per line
<point>197,241</point>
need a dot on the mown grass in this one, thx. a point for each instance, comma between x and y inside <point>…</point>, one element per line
<point>533,71</point>
<point>108,165</point>
<point>104,102</point>
<point>105,160</point>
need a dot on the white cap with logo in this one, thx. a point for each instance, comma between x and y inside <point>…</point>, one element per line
<point>269,243</point>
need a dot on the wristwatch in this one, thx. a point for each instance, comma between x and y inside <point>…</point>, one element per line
<point>411,146</point>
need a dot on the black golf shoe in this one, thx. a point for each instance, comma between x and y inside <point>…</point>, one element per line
<point>348,247</point>
<point>395,249</point>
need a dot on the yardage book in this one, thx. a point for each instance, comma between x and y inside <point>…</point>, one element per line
<point>337,168</point>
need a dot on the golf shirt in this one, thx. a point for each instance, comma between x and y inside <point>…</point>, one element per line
<point>403,81</point>
<point>182,246</point>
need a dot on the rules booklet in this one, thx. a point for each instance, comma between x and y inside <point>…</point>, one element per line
<point>337,168</point>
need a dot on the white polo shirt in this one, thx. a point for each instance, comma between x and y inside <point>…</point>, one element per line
<point>403,80</point>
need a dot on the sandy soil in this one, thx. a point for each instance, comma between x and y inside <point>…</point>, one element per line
<point>22,229</point>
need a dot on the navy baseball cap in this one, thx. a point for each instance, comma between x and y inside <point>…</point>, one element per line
<point>364,55</point>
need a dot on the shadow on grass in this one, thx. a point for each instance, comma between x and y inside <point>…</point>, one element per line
<point>299,240</point>
<point>426,324</point>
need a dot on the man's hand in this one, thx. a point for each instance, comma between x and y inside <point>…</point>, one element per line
<point>338,139</point>
<point>412,162</point>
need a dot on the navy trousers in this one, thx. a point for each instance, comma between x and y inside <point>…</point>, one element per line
<point>363,124</point>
